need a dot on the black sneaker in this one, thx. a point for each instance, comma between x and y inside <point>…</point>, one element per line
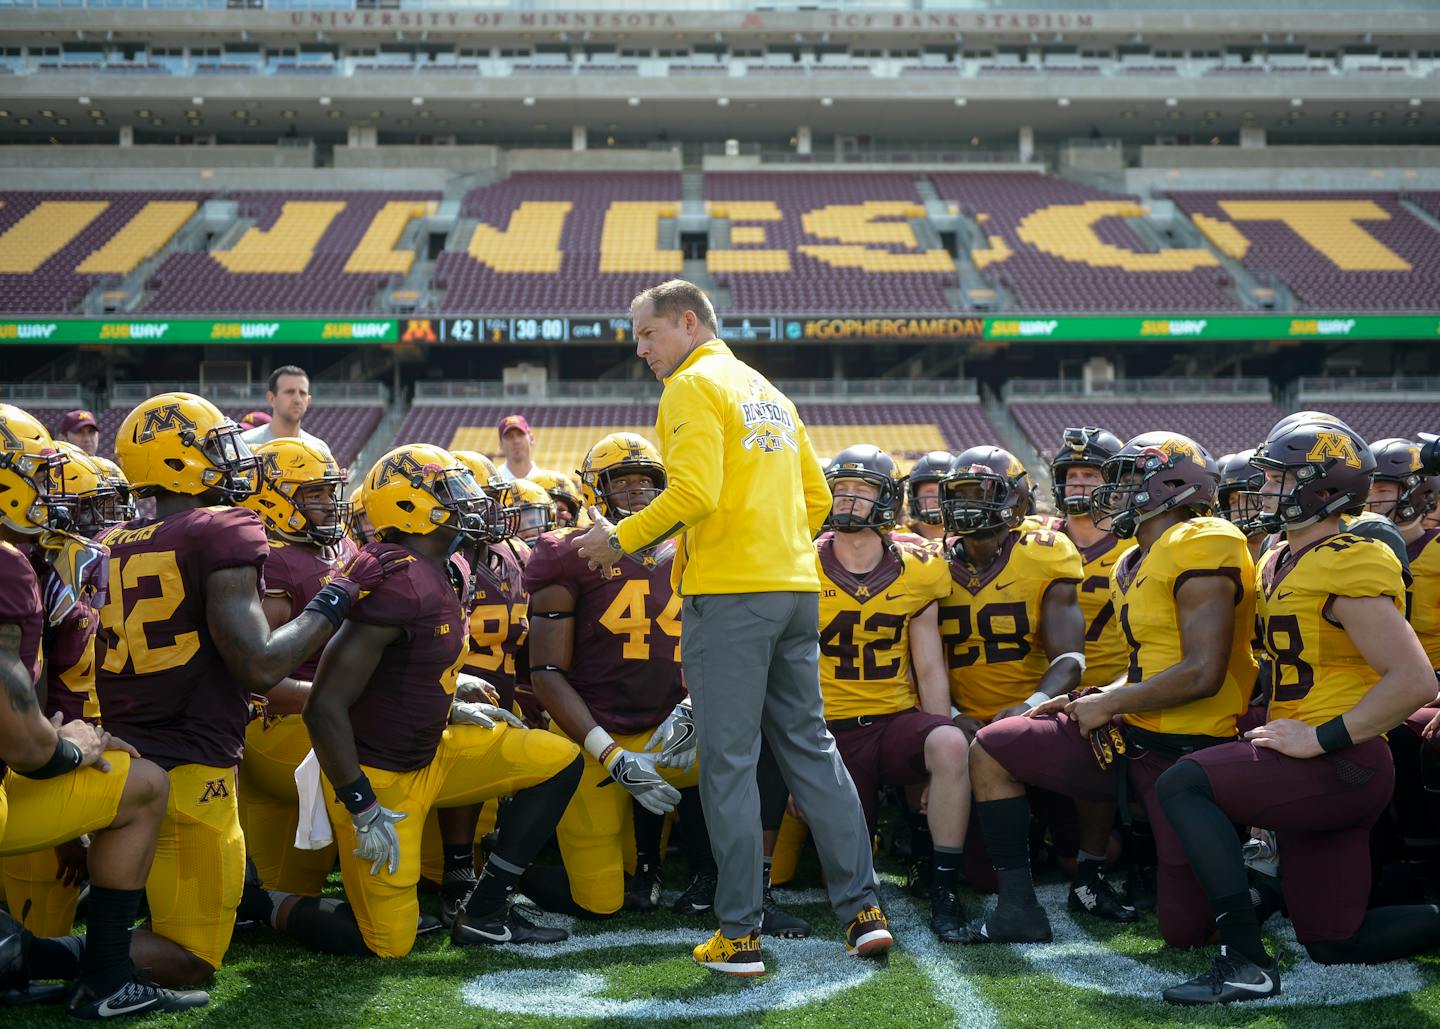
<point>256,904</point>
<point>947,915</point>
<point>642,890</point>
<point>427,924</point>
<point>14,954</point>
<point>776,921</point>
<point>1230,978</point>
<point>453,895</point>
<point>1009,923</point>
<point>918,878</point>
<point>134,997</point>
<point>699,896</point>
<point>503,925</point>
<point>1140,888</point>
<point>1094,895</point>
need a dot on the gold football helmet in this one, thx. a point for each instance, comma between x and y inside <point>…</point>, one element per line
<point>181,443</point>
<point>94,505</point>
<point>299,498</point>
<point>528,509</point>
<point>31,475</point>
<point>124,497</point>
<point>418,487</point>
<point>564,490</point>
<point>483,469</point>
<point>620,453</point>
<point>360,531</point>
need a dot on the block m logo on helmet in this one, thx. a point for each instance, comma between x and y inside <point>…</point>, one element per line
<point>1179,448</point>
<point>166,418</point>
<point>405,466</point>
<point>8,440</point>
<point>1336,446</point>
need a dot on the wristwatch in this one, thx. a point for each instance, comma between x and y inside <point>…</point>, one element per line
<point>614,540</point>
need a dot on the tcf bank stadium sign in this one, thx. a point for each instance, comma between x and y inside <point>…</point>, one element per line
<point>633,21</point>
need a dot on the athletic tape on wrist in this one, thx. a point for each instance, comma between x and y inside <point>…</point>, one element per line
<point>1036,699</point>
<point>600,745</point>
<point>1074,655</point>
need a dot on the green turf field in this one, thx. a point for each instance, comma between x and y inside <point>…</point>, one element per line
<point>637,970</point>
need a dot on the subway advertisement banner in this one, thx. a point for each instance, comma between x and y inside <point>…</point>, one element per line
<point>486,330</point>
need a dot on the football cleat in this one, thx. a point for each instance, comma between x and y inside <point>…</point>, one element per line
<point>503,925</point>
<point>1230,978</point>
<point>453,895</point>
<point>776,921</point>
<point>699,896</point>
<point>919,877</point>
<point>868,934</point>
<point>947,915</point>
<point>642,890</point>
<point>14,954</point>
<point>427,924</point>
<point>1094,895</point>
<point>1140,888</point>
<point>134,997</point>
<point>732,957</point>
<point>1008,923</point>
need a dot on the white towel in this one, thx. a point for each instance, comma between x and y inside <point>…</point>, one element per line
<point>313,831</point>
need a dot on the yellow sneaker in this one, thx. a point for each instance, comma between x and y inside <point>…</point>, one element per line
<point>733,957</point>
<point>868,935</point>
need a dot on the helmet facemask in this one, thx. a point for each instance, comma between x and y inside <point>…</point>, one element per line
<point>234,471</point>
<point>979,500</point>
<point>852,509</point>
<point>621,500</point>
<point>471,511</point>
<point>1283,496</point>
<point>37,481</point>
<point>1126,500</point>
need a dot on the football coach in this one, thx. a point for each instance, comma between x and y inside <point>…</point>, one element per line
<point>745,494</point>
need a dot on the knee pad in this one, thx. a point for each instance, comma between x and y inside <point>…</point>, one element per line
<point>1183,777</point>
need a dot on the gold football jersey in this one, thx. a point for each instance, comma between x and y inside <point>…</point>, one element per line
<point>1143,589</point>
<point>1422,599</point>
<point>865,626</point>
<point>1316,670</point>
<point>1107,655</point>
<point>990,622</point>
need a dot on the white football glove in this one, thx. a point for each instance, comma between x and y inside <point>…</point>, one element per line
<point>485,715</point>
<point>379,843</point>
<point>465,684</point>
<point>676,737</point>
<point>636,772</point>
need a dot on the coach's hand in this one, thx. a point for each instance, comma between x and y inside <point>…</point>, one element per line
<point>676,738</point>
<point>1289,736</point>
<point>594,542</point>
<point>379,843</point>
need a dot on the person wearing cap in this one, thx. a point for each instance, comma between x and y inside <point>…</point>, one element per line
<point>516,442</point>
<point>254,419</point>
<point>81,429</point>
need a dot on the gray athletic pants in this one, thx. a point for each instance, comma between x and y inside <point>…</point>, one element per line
<point>752,663</point>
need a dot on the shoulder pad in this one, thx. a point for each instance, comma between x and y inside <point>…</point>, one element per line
<point>1347,565</point>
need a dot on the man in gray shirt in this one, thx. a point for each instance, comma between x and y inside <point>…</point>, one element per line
<point>289,398</point>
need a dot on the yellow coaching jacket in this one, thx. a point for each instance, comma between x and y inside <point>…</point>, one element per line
<point>745,487</point>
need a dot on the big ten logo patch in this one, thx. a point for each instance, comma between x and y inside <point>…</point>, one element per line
<point>443,629</point>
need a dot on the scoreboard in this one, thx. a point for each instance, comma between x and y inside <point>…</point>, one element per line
<point>559,330</point>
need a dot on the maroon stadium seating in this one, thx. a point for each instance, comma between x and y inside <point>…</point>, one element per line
<point>1040,281</point>
<point>1220,427</point>
<point>196,283</point>
<point>1314,277</point>
<point>813,284</point>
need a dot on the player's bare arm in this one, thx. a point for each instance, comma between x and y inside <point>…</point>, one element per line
<point>1389,645</point>
<point>1062,631</point>
<point>1207,624</point>
<point>344,672</point>
<point>286,697</point>
<point>552,646</point>
<point>256,655</point>
<point>927,656</point>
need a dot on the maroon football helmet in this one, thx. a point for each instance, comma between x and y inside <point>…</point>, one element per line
<point>1397,460</point>
<point>987,489</point>
<point>1153,473</point>
<point>1088,447</point>
<point>931,467</point>
<point>1239,481</point>
<point>1324,469</point>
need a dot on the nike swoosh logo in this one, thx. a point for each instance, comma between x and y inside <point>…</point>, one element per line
<point>893,596</point>
<point>628,778</point>
<point>686,732</point>
<point>1287,593</point>
<point>1264,987</point>
<point>678,428</point>
<point>1004,585</point>
<point>497,937</point>
<point>106,1011</point>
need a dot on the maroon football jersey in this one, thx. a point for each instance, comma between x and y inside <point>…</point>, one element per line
<point>403,711</point>
<point>20,604</point>
<point>296,573</point>
<point>626,664</point>
<point>69,651</point>
<point>164,688</point>
<point>498,608</point>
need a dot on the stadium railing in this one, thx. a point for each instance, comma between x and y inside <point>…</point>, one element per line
<point>1137,389</point>
<point>68,395</point>
<point>1407,387</point>
<point>331,394</point>
<point>453,392</point>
